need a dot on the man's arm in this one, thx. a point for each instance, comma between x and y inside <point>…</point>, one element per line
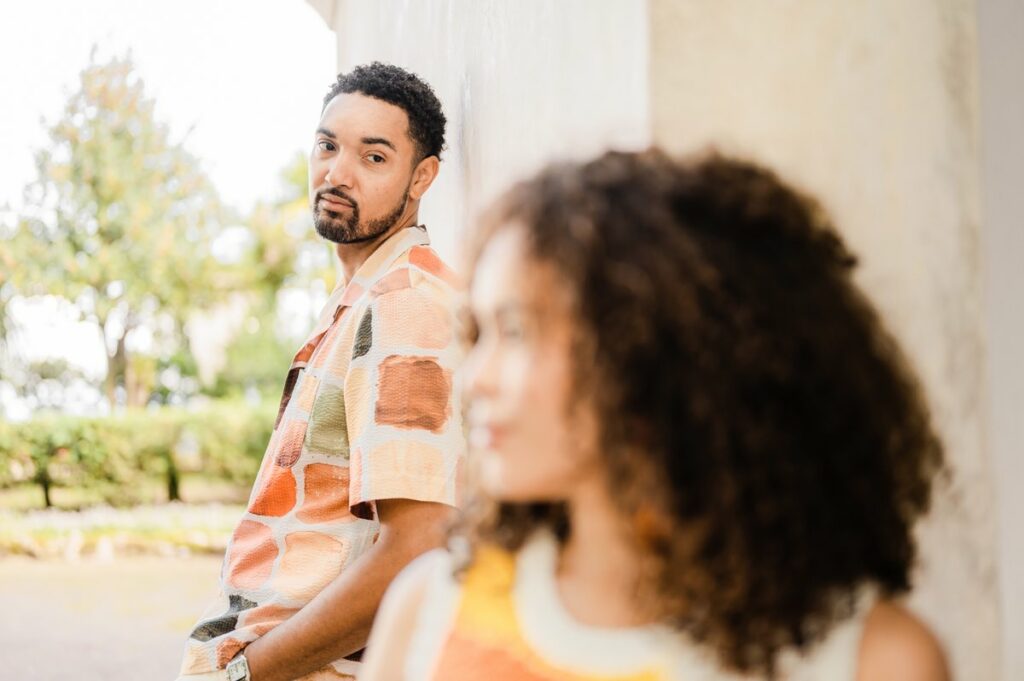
<point>337,621</point>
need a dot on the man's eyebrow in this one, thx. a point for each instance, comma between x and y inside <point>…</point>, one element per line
<point>326,133</point>
<point>379,140</point>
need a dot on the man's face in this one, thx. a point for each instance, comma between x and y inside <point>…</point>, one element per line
<point>360,168</point>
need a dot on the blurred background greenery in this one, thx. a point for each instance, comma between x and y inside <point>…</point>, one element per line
<point>194,304</point>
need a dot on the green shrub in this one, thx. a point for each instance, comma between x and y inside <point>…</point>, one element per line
<point>113,456</point>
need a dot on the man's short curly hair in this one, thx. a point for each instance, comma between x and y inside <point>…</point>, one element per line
<point>395,85</point>
<point>766,438</point>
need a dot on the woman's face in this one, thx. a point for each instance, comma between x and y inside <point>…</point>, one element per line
<point>528,444</point>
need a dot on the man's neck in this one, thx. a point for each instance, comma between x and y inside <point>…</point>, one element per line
<point>352,256</point>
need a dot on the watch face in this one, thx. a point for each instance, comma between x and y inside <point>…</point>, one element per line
<point>238,669</point>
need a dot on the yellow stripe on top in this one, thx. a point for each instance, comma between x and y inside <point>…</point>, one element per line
<point>487,641</point>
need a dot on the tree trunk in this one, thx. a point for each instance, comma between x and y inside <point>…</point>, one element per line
<point>110,386</point>
<point>45,482</point>
<point>117,369</point>
<point>173,481</point>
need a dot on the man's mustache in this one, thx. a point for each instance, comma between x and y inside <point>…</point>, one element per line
<point>338,193</point>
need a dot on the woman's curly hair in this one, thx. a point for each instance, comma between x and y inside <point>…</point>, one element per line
<point>766,439</point>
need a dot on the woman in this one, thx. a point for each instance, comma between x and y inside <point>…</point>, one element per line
<point>701,455</point>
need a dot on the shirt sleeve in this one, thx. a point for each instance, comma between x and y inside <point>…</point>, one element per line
<point>403,411</point>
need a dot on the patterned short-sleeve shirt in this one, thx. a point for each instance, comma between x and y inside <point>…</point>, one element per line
<point>368,413</point>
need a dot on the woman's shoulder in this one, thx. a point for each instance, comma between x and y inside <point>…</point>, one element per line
<point>447,571</point>
<point>880,640</point>
<point>418,574</point>
<point>896,644</point>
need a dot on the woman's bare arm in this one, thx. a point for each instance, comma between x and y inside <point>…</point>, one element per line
<point>897,646</point>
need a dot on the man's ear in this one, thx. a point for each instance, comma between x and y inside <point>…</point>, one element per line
<point>423,176</point>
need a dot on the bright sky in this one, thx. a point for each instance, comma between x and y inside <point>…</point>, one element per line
<point>241,81</point>
<point>247,76</point>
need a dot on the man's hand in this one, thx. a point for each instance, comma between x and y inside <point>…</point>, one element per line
<point>337,621</point>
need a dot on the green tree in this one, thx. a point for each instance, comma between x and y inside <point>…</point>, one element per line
<point>283,253</point>
<point>119,222</point>
<point>7,292</point>
<point>286,252</point>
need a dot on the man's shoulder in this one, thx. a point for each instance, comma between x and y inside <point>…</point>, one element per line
<point>420,270</point>
<point>424,260</point>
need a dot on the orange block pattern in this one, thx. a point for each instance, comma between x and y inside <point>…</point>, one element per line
<point>368,413</point>
<point>250,558</point>
<point>413,393</point>
<point>275,492</point>
<point>326,497</point>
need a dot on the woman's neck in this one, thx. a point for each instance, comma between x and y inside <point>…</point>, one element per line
<point>598,567</point>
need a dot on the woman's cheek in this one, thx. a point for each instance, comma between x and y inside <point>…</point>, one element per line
<point>517,374</point>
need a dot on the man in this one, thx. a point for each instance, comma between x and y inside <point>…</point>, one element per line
<point>359,476</point>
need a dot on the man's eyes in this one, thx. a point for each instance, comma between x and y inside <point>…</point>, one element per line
<point>329,147</point>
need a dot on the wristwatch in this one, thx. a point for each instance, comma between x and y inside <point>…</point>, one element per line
<point>238,669</point>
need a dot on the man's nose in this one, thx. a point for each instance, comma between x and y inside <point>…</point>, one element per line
<point>339,173</point>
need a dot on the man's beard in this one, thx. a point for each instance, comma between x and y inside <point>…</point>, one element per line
<point>340,229</point>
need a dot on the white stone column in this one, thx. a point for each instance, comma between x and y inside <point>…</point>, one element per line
<point>521,83</point>
<point>1001,52</point>
<point>873,107</point>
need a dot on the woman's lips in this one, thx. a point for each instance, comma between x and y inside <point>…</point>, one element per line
<point>486,436</point>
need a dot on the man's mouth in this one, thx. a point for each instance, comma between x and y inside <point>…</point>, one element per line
<point>334,203</point>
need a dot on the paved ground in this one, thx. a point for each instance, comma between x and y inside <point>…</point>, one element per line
<point>92,621</point>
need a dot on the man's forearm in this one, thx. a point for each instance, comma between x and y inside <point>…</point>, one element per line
<point>337,621</point>
<point>334,624</point>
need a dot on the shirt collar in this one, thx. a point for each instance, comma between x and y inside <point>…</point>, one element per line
<point>373,268</point>
<point>380,261</point>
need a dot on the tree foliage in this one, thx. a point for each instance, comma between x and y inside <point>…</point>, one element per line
<point>123,224</point>
<point>113,456</point>
<point>283,254</point>
<point>119,222</point>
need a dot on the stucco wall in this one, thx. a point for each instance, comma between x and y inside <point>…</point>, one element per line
<point>521,83</point>
<point>1001,52</point>
<point>872,106</point>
